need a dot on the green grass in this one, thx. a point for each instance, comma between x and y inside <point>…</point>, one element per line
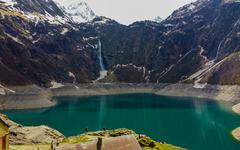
<point>146,142</point>
<point>76,139</point>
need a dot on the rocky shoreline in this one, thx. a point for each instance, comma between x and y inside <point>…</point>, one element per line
<point>236,108</point>
<point>236,132</point>
<point>27,135</point>
<point>26,97</point>
<point>32,96</point>
<point>42,137</point>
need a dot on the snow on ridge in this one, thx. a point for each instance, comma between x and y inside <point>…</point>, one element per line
<point>8,2</point>
<point>89,38</point>
<point>103,74</point>
<point>15,39</point>
<point>78,10</point>
<point>188,9</point>
<point>143,68</point>
<point>74,12</point>
<point>3,90</point>
<point>56,85</point>
<point>103,20</point>
<point>70,74</point>
<point>130,64</point>
<point>35,17</point>
<point>201,54</point>
<point>64,31</point>
<point>36,41</point>
<point>231,1</point>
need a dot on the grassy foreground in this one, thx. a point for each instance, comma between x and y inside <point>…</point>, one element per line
<point>146,142</point>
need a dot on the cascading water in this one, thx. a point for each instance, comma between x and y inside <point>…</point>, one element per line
<point>102,67</point>
<point>103,71</point>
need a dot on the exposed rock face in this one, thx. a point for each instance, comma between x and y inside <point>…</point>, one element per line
<point>195,37</point>
<point>41,43</point>
<point>144,141</point>
<point>236,133</point>
<point>236,109</point>
<point>20,135</point>
<point>25,97</point>
<point>36,48</point>
<point>34,135</point>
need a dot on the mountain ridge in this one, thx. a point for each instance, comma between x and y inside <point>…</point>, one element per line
<point>191,45</point>
<point>79,11</point>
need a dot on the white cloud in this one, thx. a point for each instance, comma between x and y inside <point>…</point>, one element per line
<point>128,11</point>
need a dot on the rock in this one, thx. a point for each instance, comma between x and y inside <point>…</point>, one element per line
<point>21,135</point>
<point>236,133</point>
<point>236,108</point>
<point>34,135</point>
<point>145,141</point>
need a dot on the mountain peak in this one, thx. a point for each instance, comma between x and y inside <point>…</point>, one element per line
<point>158,19</point>
<point>79,10</point>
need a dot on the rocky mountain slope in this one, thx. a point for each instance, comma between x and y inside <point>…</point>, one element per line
<point>41,43</point>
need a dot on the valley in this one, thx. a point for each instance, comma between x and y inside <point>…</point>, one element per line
<point>193,45</point>
<point>60,59</point>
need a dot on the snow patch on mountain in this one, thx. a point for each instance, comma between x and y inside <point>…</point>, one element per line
<point>158,19</point>
<point>188,9</point>
<point>8,2</point>
<point>15,39</point>
<point>78,10</point>
<point>4,90</point>
<point>56,85</point>
<point>64,31</point>
<point>11,8</point>
<point>231,1</point>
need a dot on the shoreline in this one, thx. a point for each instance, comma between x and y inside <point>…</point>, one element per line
<point>34,97</point>
<point>236,132</point>
<point>26,97</point>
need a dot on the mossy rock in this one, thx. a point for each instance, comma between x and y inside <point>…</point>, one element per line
<point>75,139</point>
<point>112,133</point>
<point>145,142</point>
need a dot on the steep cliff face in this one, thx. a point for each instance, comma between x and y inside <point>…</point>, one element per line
<point>185,46</point>
<point>36,45</point>
<point>41,42</point>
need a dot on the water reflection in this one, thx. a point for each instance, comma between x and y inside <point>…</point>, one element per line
<point>195,124</point>
<point>102,112</point>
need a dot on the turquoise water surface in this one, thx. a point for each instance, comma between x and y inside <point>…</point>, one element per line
<point>186,122</point>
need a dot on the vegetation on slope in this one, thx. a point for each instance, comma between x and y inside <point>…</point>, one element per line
<point>146,142</point>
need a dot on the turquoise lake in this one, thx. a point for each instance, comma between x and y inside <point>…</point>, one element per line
<point>186,122</point>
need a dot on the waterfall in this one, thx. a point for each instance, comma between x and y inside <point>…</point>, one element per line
<point>102,67</point>
<point>103,71</point>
